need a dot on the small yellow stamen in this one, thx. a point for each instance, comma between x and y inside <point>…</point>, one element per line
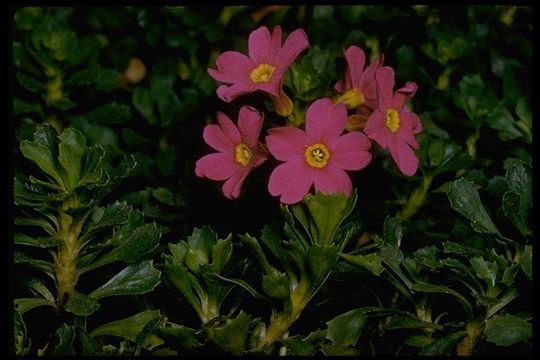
<point>392,120</point>
<point>352,99</point>
<point>317,155</point>
<point>242,154</point>
<point>262,73</point>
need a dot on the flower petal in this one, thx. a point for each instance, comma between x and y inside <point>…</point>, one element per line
<point>404,156</point>
<point>232,187</point>
<point>325,121</point>
<point>229,93</point>
<point>295,43</point>
<point>385,86</point>
<point>214,137</point>
<point>332,180</point>
<point>259,45</point>
<point>350,151</point>
<point>250,122</point>
<point>231,66</point>
<point>404,94</point>
<point>216,166</point>
<point>291,180</point>
<point>229,129</point>
<point>356,60</point>
<point>287,143</point>
<point>409,125</point>
<point>376,130</point>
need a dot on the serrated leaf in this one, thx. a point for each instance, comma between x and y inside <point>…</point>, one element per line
<point>128,328</point>
<point>25,304</point>
<point>392,230</point>
<point>40,155</point>
<point>485,270</point>
<point>232,336</point>
<point>526,261</point>
<point>42,242</point>
<point>345,329</point>
<point>297,347</point>
<point>507,330</point>
<point>517,202</point>
<point>404,322</point>
<point>464,199</point>
<point>80,304</point>
<point>432,288</point>
<point>21,342</point>
<point>443,346</point>
<point>371,262</point>
<point>276,285</point>
<point>135,279</point>
<point>64,346</point>
<point>71,151</point>
<point>182,336</point>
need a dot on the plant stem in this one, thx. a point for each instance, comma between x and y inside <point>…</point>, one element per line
<point>416,200</point>
<point>466,346</point>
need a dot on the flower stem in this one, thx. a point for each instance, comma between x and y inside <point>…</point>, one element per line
<point>416,200</point>
<point>467,344</point>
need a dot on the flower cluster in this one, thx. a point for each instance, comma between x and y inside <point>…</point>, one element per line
<point>332,141</point>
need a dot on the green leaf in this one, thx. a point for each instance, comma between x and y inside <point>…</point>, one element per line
<point>485,270</point>
<point>276,285</point>
<point>336,350</point>
<point>42,242</point>
<point>182,336</point>
<point>501,120</point>
<point>138,244</point>
<point>109,114</point>
<point>45,266</point>
<point>507,330</point>
<point>23,107</point>
<point>80,304</point>
<point>392,230</point>
<point>297,347</point>
<point>168,105</point>
<point>221,253</point>
<point>436,152</point>
<point>451,247</point>
<point>71,151</point>
<point>469,97</point>
<point>41,155</point>
<point>64,344</point>
<point>345,329</point>
<point>25,304</point>
<point>393,257</point>
<point>29,82</point>
<point>89,347</point>
<point>320,260</point>
<point>200,243</point>
<point>101,218</point>
<point>128,328</point>
<point>371,262</point>
<point>517,202</point>
<point>443,346</point>
<point>232,336</point>
<point>418,340</point>
<point>144,102</point>
<point>526,261</point>
<point>404,322</point>
<point>454,159</point>
<point>464,199</point>
<point>21,342</point>
<point>326,213</point>
<point>42,223</point>
<point>135,279</point>
<point>431,288</point>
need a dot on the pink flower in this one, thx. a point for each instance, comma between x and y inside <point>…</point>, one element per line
<point>317,156</point>
<point>358,88</point>
<point>263,69</point>
<point>239,150</point>
<point>392,125</point>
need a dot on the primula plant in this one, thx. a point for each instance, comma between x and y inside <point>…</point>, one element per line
<point>272,180</point>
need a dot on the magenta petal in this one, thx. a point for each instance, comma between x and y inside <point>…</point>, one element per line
<point>232,187</point>
<point>214,137</point>
<point>250,123</point>
<point>404,94</point>
<point>291,180</point>
<point>340,86</point>
<point>259,45</point>
<point>216,166</point>
<point>404,156</point>
<point>296,43</point>
<point>229,129</point>
<point>356,60</point>
<point>409,125</point>
<point>350,151</point>
<point>286,143</point>
<point>229,93</point>
<point>376,130</point>
<point>325,121</point>
<point>272,87</point>
<point>385,86</point>
<point>332,180</point>
<point>232,66</point>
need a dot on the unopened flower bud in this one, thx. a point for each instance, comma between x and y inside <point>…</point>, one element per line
<point>135,72</point>
<point>283,105</point>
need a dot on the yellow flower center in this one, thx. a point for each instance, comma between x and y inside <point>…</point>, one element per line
<point>262,73</point>
<point>317,155</point>
<point>392,120</point>
<point>352,99</point>
<point>242,154</point>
